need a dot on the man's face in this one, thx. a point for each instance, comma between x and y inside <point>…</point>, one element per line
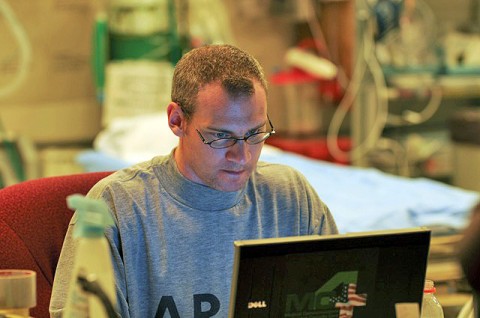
<point>218,116</point>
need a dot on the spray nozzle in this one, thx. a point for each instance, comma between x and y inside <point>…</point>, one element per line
<point>93,216</point>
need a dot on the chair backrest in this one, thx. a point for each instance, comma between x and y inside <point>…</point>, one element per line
<point>34,218</point>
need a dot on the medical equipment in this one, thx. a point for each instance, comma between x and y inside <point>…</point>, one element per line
<point>134,31</point>
<point>367,96</point>
<point>18,158</point>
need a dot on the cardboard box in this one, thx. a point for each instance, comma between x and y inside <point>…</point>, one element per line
<point>55,102</point>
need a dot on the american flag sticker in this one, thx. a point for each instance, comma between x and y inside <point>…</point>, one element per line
<point>347,299</point>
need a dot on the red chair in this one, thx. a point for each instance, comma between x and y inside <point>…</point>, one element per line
<point>33,221</point>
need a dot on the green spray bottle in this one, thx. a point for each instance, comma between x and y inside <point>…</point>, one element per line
<point>92,285</point>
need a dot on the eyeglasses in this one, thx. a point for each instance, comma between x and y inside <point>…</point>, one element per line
<point>252,139</point>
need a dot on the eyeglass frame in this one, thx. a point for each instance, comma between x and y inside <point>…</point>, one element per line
<point>235,139</point>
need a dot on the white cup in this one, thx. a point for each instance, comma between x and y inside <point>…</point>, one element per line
<point>18,292</point>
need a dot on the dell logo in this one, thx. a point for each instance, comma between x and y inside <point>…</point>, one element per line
<point>257,304</point>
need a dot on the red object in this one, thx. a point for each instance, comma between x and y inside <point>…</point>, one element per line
<point>310,147</point>
<point>34,218</point>
<point>328,88</point>
<point>331,89</point>
<point>292,76</point>
<point>429,290</point>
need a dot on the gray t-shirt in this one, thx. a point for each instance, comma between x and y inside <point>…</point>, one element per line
<point>172,243</point>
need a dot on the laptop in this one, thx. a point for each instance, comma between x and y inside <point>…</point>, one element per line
<point>363,274</point>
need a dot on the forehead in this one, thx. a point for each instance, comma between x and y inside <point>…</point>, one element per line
<point>215,104</point>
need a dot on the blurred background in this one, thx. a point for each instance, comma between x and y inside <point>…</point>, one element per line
<point>375,101</point>
<point>390,84</point>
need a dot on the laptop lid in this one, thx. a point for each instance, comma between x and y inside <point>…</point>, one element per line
<point>346,275</point>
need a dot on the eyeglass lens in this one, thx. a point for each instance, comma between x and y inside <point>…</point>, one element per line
<point>252,140</point>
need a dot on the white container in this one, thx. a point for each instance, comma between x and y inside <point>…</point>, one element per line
<point>431,308</point>
<point>465,134</point>
<point>92,259</point>
<point>466,167</point>
<point>18,290</point>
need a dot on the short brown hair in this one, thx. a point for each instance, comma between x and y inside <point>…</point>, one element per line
<point>234,68</point>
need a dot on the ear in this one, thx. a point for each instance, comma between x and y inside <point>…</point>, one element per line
<point>176,119</point>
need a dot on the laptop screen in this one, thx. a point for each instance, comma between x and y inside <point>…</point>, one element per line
<point>351,275</point>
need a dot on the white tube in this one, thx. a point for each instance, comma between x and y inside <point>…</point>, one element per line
<point>311,63</point>
<point>25,55</point>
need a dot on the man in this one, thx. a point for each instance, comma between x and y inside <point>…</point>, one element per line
<point>176,217</point>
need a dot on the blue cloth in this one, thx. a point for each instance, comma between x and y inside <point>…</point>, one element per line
<point>361,199</point>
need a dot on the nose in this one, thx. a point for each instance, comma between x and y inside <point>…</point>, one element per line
<point>239,153</point>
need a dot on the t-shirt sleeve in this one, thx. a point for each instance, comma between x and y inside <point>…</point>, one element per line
<point>321,219</point>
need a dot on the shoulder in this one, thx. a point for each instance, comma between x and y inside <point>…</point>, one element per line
<point>137,176</point>
<point>291,192</point>
<point>268,172</point>
<point>280,179</point>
